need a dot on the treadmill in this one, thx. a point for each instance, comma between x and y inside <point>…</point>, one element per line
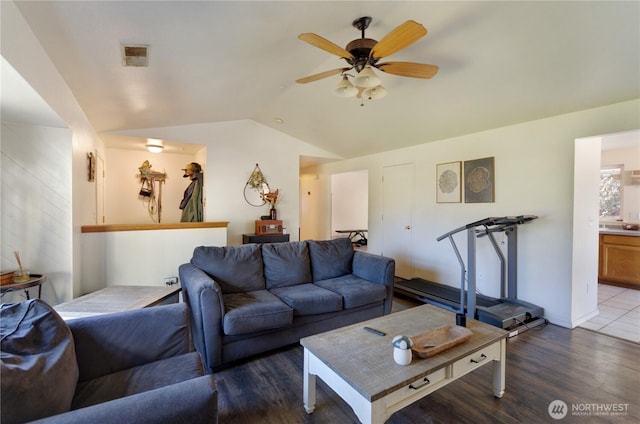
<point>507,311</point>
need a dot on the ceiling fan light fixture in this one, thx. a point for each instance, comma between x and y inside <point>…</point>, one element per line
<point>364,54</point>
<point>366,78</point>
<point>154,145</point>
<point>375,93</point>
<point>345,88</point>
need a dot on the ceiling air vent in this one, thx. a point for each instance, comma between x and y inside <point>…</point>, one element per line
<point>135,55</point>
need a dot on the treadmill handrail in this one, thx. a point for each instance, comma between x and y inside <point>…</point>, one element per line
<point>450,233</point>
<point>503,221</point>
<point>485,221</point>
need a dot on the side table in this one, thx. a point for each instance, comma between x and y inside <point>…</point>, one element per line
<point>34,280</point>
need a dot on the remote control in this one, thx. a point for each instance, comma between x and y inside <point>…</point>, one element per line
<point>374,331</point>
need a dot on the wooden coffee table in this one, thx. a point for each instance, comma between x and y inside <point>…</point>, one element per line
<point>117,299</point>
<point>359,365</point>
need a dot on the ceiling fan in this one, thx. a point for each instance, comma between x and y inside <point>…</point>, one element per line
<point>363,54</point>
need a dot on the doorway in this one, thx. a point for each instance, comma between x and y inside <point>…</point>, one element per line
<point>349,202</point>
<point>589,152</point>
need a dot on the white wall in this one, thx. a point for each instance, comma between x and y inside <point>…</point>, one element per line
<point>349,202</point>
<point>36,206</point>
<point>123,205</point>
<point>21,49</point>
<point>586,206</point>
<point>233,149</point>
<point>533,174</point>
<point>144,257</point>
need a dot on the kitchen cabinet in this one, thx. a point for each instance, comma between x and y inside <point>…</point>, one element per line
<point>619,260</point>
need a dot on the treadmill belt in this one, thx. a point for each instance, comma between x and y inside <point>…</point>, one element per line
<point>442,291</point>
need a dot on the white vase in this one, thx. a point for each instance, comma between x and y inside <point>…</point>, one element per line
<point>402,356</point>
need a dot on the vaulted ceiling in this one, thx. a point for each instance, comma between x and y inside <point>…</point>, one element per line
<point>500,63</point>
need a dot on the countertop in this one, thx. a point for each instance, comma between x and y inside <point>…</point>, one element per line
<point>620,232</point>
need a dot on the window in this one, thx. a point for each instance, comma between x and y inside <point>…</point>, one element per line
<point>610,191</point>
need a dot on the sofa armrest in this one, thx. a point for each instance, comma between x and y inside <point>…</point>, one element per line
<point>377,269</point>
<point>374,268</point>
<point>190,401</point>
<point>112,342</point>
<point>204,298</point>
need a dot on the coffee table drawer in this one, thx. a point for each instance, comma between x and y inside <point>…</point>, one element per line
<point>428,383</point>
<point>475,360</point>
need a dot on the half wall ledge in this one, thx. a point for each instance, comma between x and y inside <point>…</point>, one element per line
<point>145,227</point>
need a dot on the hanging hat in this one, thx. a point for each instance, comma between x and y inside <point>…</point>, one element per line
<point>193,167</point>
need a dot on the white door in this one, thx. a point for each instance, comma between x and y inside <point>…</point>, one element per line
<point>397,217</point>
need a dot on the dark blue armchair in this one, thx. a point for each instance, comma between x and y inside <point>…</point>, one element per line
<point>136,366</point>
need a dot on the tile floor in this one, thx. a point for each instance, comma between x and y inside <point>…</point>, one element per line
<point>619,313</point>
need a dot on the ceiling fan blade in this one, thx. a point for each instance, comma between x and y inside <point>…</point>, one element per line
<point>321,75</point>
<point>324,44</point>
<point>408,69</point>
<point>401,37</point>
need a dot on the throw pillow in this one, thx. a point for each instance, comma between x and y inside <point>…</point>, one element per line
<point>237,269</point>
<point>330,258</point>
<point>286,264</point>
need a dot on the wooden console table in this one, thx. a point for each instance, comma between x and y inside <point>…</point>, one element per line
<point>266,238</point>
<point>118,299</point>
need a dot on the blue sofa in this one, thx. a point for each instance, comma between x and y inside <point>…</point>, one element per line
<point>249,299</point>
<point>130,367</point>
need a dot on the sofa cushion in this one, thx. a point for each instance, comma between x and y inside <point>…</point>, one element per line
<point>39,372</point>
<point>153,375</point>
<point>236,269</point>
<point>254,311</point>
<point>309,299</point>
<point>286,264</point>
<point>330,258</point>
<point>355,291</point>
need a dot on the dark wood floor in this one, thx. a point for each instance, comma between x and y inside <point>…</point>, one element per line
<point>582,368</point>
